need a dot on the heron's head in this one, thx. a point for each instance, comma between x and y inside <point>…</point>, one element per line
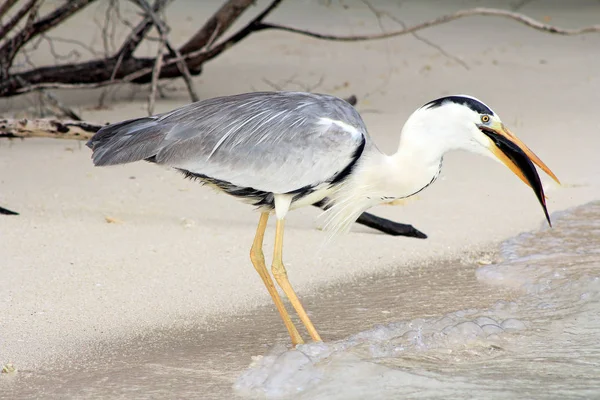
<point>463,122</point>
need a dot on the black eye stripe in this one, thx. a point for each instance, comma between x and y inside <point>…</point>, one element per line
<point>473,104</point>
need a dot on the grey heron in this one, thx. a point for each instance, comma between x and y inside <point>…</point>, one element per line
<point>282,150</point>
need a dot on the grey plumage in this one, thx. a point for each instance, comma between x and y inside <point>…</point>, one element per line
<point>266,142</point>
<point>283,150</point>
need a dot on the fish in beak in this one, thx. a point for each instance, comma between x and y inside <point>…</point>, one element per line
<point>519,158</point>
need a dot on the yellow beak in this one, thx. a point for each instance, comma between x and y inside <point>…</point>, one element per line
<point>519,158</point>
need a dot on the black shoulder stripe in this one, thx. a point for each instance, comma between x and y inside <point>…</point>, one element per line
<point>340,176</point>
<point>343,174</point>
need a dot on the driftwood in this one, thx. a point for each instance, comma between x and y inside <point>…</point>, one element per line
<point>47,127</point>
<point>123,66</point>
<point>81,130</point>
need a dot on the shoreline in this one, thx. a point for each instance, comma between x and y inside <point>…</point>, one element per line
<point>233,339</point>
<point>178,253</point>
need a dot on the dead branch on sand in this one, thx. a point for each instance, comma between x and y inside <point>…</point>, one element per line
<point>479,11</point>
<point>122,66</point>
<point>48,128</point>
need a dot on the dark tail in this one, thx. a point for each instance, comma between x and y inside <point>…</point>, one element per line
<point>127,141</point>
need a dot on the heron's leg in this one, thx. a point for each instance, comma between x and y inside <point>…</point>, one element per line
<point>258,260</point>
<point>280,275</point>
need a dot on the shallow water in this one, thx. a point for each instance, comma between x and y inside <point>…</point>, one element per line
<point>544,343</point>
<point>527,327</point>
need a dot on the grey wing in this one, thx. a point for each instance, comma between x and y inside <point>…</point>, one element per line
<point>270,141</point>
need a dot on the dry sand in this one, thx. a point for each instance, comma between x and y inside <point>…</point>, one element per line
<point>177,258</point>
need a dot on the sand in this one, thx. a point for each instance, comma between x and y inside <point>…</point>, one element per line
<point>176,254</point>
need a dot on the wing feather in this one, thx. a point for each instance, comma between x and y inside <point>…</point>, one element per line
<point>270,141</point>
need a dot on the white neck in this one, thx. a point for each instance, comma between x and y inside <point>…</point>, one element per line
<point>409,170</point>
<point>381,179</point>
<point>427,135</point>
<point>415,164</point>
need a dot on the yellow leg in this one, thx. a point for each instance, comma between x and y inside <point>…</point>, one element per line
<point>280,275</point>
<point>258,260</point>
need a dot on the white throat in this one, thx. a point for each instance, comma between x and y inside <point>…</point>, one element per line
<point>427,135</point>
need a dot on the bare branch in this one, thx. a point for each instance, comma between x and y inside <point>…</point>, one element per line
<point>14,44</point>
<point>5,7</point>
<point>196,58</point>
<point>55,103</point>
<point>415,34</point>
<point>199,57</point>
<point>63,109</point>
<point>139,32</point>
<point>523,19</point>
<point>155,75</point>
<point>27,8</point>
<point>181,64</point>
<point>103,72</point>
<point>216,25</point>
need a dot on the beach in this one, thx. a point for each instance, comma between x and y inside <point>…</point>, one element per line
<point>132,282</point>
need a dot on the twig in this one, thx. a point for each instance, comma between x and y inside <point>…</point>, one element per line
<point>440,49</point>
<point>139,32</point>
<point>136,70</point>
<point>523,19</point>
<point>139,70</point>
<point>10,48</point>
<point>16,18</point>
<point>155,75</point>
<point>181,64</point>
<point>216,25</point>
<point>5,7</point>
<point>199,57</point>
<point>419,37</point>
<point>32,8</point>
<point>519,4</point>
<point>65,111</point>
<point>292,81</point>
<point>49,97</point>
<point>213,37</point>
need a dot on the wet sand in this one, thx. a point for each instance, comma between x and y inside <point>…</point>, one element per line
<point>175,270</point>
<point>204,359</point>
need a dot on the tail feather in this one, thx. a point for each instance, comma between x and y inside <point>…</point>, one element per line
<point>128,141</point>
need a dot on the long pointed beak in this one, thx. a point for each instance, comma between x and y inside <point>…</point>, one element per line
<point>520,159</point>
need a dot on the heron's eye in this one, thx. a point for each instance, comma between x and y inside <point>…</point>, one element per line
<point>485,119</point>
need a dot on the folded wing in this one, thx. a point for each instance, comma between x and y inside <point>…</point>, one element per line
<point>271,141</point>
